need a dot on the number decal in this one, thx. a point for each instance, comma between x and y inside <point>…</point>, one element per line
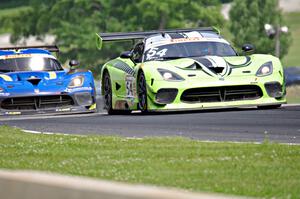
<point>152,53</point>
<point>162,52</point>
<point>130,86</point>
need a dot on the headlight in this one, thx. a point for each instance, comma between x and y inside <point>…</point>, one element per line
<point>169,75</point>
<point>76,82</point>
<point>265,69</point>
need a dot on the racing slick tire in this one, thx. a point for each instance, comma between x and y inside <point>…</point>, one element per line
<point>108,97</point>
<point>142,93</point>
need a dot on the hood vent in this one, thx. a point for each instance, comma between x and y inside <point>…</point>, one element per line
<point>217,69</point>
<point>215,64</point>
<point>34,80</point>
<point>194,66</point>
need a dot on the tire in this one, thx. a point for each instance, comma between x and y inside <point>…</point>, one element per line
<point>107,88</point>
<point>269,107</point>
<point>142,93</point>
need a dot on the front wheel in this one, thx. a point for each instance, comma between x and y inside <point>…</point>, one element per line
<point>142,93</point>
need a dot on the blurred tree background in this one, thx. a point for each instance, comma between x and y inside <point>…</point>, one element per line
<point>75,22</point>
<point>248,18</point>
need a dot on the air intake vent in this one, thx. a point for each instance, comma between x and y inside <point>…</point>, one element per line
<point>34,81</point>
<point>34,103</point>
<point>221,94</point>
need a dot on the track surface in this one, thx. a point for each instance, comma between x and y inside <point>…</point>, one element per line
<point>280,125</point>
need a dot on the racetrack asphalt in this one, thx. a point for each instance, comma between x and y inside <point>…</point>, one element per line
<point>278,125</point>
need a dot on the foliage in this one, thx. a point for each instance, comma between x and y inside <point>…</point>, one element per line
<point>248,18</point>
<point>74,23</point>
<point>293,58</point>
<point>261,170</point>
<point>4,4</point>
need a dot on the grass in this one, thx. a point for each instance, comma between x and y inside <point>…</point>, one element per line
<point>293,94</point>
<point>293,21</point>
<point>262,170</point>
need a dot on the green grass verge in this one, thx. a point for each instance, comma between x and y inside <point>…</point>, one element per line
<point>263,170</point>
<point>293,21</point>
<point>293,94</point>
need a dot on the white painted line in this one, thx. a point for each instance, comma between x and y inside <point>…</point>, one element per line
<point>140,138</point>
<point>39,132</point>
<point>9,118</point>
<point>241,142</point>
<point>287,105</point>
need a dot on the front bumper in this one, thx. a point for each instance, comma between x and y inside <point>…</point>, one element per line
<point>48,103</point>
<point>269,92</point>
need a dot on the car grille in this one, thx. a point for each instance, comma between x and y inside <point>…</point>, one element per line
<point>221,94</point>
<point>37,102</point>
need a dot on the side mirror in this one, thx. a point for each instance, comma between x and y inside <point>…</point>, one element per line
<point>73,63</point>
<point>248,47</point>
<point>126,55</point>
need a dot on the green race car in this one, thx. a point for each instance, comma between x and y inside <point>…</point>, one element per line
<point>188,69</point>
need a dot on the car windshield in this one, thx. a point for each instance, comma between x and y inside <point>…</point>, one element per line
<point>35,63</point>
<point>188,49</point>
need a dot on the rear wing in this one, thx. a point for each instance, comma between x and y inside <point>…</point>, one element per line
<point>50,48</point>
<point>120,36</point>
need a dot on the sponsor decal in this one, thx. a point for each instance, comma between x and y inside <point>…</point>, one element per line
<point>13,113</point>
<point>78,89</point>
<point>62,109</point>
<point>17,56</point>
<point>52,75</point>
<point>130,85</point>
<point>185,39</point>
<point>4,94</point>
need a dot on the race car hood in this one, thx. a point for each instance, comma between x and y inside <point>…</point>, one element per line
<point>31,76</point>
<point>221,66</point>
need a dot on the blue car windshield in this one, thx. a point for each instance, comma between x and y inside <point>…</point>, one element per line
<point>189,49</point>
<point>35,63</point>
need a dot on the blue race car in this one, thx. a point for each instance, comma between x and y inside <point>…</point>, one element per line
<point>33,81</point>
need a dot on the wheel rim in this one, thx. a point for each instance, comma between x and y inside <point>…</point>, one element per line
<point>107,92</point>
<point>142,92</point>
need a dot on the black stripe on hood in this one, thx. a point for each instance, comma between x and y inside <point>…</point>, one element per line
<point>246,63</point>
<point>204,61</point>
